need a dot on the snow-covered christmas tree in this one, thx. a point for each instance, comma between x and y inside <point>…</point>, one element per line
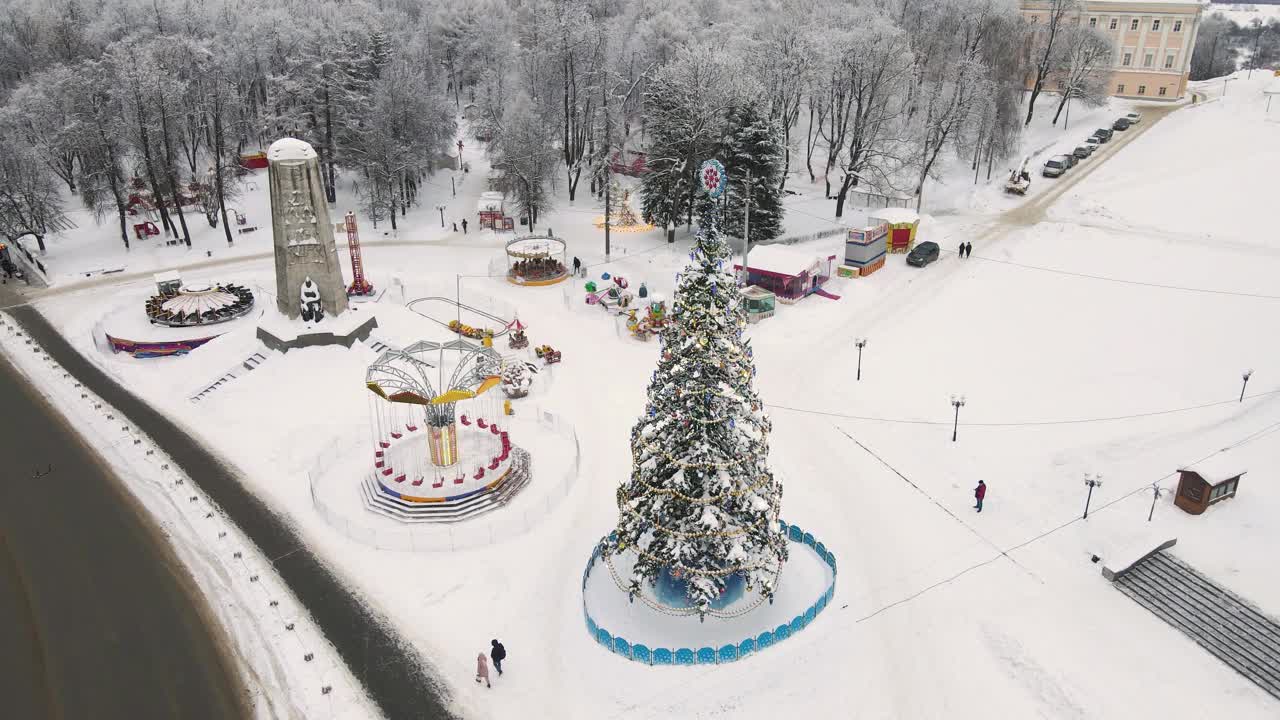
<point>701,506</point>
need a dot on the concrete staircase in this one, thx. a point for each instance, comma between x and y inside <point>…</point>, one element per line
<point>1222,623</point>
<point>248,364</point>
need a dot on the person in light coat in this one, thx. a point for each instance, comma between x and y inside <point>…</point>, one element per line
<point>482,669</point>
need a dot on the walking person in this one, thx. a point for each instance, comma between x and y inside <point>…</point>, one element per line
<point>482,670</point>
<point>968,249</point>
<point>464,226</point>
<point>979,493</point>
<point>455,227</point>
<point>498,653</point>
<point>960,251</point>
<point>577,266</point>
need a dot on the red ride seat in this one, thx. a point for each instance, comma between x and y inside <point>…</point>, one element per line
<point>479,473</point>
<point>493,429</point>
<point>387,472</point>
<point>399,478</point>
<point>494,465</point>
<point>383,444</point>
<point>396,435</point>
<point>439,483</point>
<point>464,419</point>
<point>417,482</point>
<point>480,423</point>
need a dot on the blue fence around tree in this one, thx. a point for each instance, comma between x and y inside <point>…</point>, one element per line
<point>724,653</point>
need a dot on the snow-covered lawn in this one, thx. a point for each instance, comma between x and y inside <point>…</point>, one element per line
<point>1114,346</point>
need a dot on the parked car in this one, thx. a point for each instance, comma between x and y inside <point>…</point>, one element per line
<point>1103,134</point>
<point>1055,166</point>
<point>1083,151</point>
<point>1094,142</point>
<point>1071,160</point>
<point>1120,124</point>
<point>923,254</point>
<point>1133,118</point>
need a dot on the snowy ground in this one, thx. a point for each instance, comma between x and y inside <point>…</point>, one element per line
<point>1107,338</point>
<point>1244,13</point>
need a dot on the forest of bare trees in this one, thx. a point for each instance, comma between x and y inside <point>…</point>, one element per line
<point>101,100</point>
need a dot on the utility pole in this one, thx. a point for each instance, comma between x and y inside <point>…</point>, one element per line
<point>1156,492</point>
<point>746,223</point>
<point>1093,480</point>
<point>1246,375</point>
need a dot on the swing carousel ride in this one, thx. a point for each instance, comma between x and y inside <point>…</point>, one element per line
<point>440,453</point>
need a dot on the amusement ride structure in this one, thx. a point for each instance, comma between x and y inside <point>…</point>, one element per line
<point>440,391</point>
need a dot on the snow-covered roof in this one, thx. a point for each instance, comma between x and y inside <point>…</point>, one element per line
<point>756,292</point>
<point>782,260</point>
<point>167,276</point>
<point>1216,469</point>
<point>1149,2</point>
<point>895,215</point>
<point>290,149</point>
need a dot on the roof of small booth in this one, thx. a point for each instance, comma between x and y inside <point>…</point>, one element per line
<point>755,292</point>
<point>894,216</point>
<point>168,276</point>
<point>782,260</point>
<point>1217,469</point>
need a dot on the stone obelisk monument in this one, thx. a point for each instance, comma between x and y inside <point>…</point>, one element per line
<point>306,257</point>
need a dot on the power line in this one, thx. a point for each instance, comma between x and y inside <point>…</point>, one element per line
<point>1162,286</point>
<point>1027,423</point>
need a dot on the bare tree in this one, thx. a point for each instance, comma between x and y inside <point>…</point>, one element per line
<point>1085,68</point>
<point>1046,32</point>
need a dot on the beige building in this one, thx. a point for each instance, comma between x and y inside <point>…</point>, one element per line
<point>1153,42</point>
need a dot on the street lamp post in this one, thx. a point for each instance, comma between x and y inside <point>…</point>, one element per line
<point>1156,492</point>
<point>1245,376</point>
<point>1093,480</point>
<point>1226,80</point>
<point>958,402</point>
<point>861,343</point>
<point>441,209</point>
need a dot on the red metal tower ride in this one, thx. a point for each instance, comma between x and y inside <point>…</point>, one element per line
<point>359,286</point>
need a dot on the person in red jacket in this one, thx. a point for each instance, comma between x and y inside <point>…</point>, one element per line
<point>979,493</point>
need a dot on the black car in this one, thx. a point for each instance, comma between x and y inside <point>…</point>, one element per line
<point>1121,124</point>
<point>1103,134</point>
<point>923,254</point>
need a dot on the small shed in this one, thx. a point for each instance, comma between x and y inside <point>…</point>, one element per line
<point>1206,483</point>
<point>760,303</point>
<point>788,273</point>
<point>865,249</point>
<point>168,283</point>
<point>902,227</point>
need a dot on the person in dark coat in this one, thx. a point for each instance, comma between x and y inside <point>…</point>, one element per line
<point>968,249</point>
<point>960,251</point>
<point>464,226</point>
<point>577,266</point>
<point>498,653</point>
<point>455,227</point>
<point>979,493</point>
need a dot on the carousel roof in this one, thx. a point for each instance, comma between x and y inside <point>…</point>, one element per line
<point>535,246</point>
<point>199,299</point>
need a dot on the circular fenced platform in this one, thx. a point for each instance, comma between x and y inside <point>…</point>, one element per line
<point>644,632</point>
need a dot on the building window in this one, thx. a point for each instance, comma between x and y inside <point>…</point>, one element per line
<point>1168,62</point>
<point>1142,89</point>
<point>1035,19</point>
<point>1128,60</point>
<point>1162,91</point>
<point>1113,23</point>
<point>1177,26</point>
<point>1093,22</point>
<point>1226,488</point>
<point>1148,59</point>
<point>1061,84</point>
<point>1120,89</point>
<point>1133,25</point>
<point>1155,25</point>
